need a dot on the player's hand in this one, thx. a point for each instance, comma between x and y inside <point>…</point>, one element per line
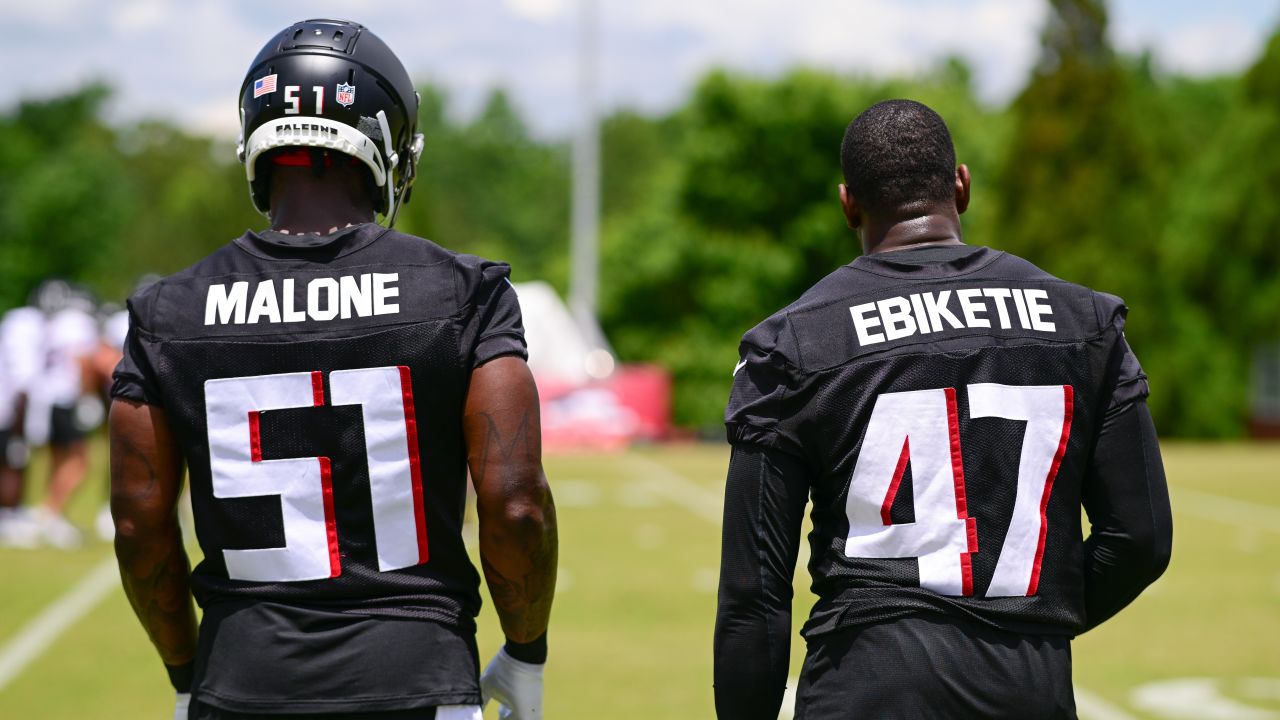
<point>181,706</point>
<point>517,686</point>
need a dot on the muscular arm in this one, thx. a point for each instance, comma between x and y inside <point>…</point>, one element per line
<point>146,479</point>
<point>765,497</point>
<point>1127,501</point>
<point>517,516</point>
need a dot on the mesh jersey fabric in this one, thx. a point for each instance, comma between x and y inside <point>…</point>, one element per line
<point>441,315</point>
<point>811,377</point>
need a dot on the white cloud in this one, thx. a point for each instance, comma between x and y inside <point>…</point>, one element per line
<point>184,59</point>
<point>873,36</point>
<point>44,14</point>
<point>1210,47</point>
<point>537,9</point>
<point>139,15</point>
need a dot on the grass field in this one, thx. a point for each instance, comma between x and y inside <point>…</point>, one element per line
<point>631,635</point>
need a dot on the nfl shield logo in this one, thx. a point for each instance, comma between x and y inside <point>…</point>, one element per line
<point>346,94</point>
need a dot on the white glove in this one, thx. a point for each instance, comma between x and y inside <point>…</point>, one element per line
<point>181,706</point>
<point>517,686</point>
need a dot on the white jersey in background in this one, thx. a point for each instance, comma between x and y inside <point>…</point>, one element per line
<point>70,335</point>
<point>116,329</point>
<point>21,357</point>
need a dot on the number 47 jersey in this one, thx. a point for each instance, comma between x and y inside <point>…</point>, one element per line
<point>946,402</point>
<point>317,394</point>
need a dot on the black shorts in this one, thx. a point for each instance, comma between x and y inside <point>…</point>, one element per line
<point>200,711</point>
<point>65,427</point>
<point>935,667</point>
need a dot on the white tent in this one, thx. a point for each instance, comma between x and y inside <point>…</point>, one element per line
<point>561,348</point>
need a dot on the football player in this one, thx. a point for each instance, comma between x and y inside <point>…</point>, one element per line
<point>21,361</point>
<point>948,408</point>
<point>63,405</point>
<point>327,384</point>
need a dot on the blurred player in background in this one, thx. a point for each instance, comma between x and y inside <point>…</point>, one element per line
<point>948,408</point>
<point>21,362</point>
<point>327,384</point>
<point>63,406</point>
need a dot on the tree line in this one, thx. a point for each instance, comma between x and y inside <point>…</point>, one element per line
<point>1104,170</point>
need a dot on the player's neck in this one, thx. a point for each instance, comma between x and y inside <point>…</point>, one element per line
<point>313,215</point>
<point>904,233</point>
<point>307,203</point>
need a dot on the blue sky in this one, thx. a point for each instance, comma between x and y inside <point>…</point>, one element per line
<point>184,59</point>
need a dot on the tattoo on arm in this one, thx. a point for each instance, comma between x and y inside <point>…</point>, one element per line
<point>518,537</point>
<point>157,583</point>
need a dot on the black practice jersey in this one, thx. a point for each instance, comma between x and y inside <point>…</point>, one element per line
<point>946,403</point>
<point>316,386</point>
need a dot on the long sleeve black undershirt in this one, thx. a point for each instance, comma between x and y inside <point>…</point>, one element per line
<point>1124,494</point>
<point>1127,500</point>
<point>765,498</point>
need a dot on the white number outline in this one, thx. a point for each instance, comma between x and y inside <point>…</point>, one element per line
<point>942,545</point>
<point>391,447</point>
<point>1047,410</point>
<point>233,408</point>
<point>943,536</point>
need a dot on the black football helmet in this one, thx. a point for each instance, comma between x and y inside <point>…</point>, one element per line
<point>331,85</point>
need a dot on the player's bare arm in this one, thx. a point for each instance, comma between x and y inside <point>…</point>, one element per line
<point>517,516</point>
<point>146,480</point>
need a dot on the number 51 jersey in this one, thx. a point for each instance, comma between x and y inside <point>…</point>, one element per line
<point>317,394</point>
<point>946,401</point>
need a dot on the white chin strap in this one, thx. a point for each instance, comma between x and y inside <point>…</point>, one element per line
<point>329,135</point>
<point>313,132</point>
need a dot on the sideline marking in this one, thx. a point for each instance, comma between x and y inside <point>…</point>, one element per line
<point>662,480</point>
<point>1092,707</point>
<point>38,635</point>
<point>1225,509</point>
<point>1194,698</point>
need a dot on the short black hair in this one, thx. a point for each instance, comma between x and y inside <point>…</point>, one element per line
<point>897,154</point>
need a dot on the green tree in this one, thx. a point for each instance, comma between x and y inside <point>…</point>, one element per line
<point>1222,249</point>
<point>741,215</point>
<point>61,202</point>
<point>488,187</point>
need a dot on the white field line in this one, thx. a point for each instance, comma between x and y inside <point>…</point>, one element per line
<point>1225,509</point>
<point>36,636</point>
<point>679,489</point>
<point>1092,707</point>
<point>662,480</point>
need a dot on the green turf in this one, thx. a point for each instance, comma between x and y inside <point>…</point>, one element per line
<point>631,635</point>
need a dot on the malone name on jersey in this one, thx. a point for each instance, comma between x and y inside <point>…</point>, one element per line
<point>923,313</point>
<point>327,298</point>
